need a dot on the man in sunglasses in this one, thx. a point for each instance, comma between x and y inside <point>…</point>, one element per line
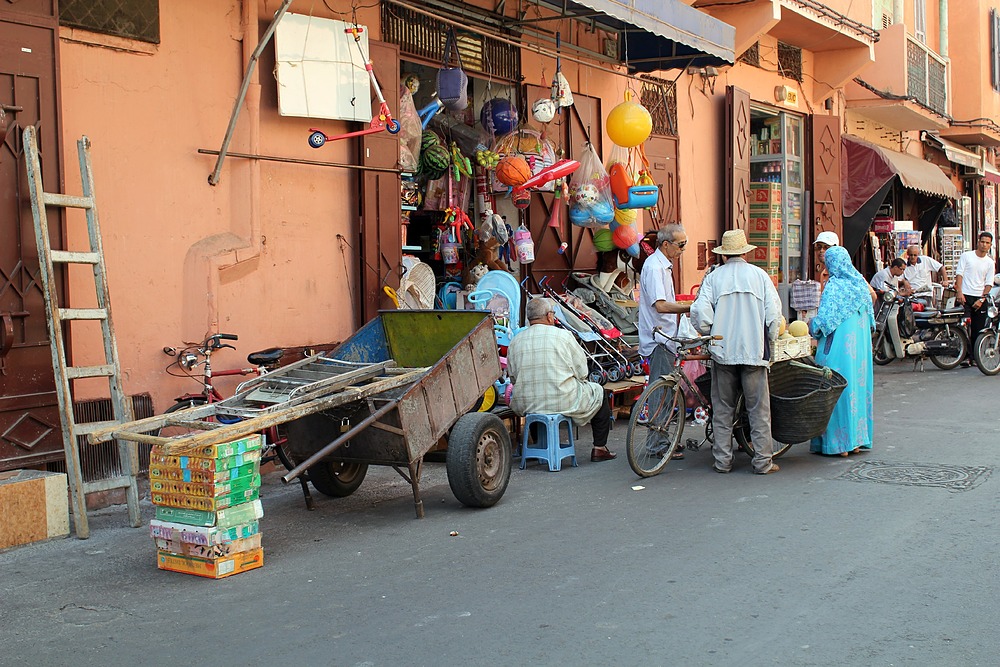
<point>658,307</point>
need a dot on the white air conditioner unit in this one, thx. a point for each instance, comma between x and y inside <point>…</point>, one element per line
<point>972,172</point>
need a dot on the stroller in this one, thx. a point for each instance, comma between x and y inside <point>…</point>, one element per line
<point>596,335</point>
<point>617,307</point>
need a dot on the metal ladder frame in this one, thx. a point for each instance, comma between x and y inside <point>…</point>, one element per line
<point>56,316</point>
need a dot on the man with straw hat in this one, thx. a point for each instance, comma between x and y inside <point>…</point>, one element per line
<point>738,302</point>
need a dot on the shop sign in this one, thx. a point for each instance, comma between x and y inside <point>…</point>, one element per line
<point>786,95</point>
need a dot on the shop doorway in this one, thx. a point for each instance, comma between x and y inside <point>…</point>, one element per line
<point>30,434</point>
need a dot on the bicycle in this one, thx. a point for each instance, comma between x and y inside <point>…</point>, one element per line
<point>334,479</point>
<point>662,416</point>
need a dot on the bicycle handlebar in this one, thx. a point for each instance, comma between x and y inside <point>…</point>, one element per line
<point>686,342</point>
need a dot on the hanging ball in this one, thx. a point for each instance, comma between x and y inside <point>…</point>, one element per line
<point>603,212</point>
<point>412,83</point>
<point>586,195</point>
<point>629,124</point>
<point>602,240</point>
<point>626,216</point>
<point>499,116</point>
<point>633,250</point>
<point>579,215</point>
<point>513,170</point>
<point>543,110</point>
<point>624,236</point>
<point>521,198</point>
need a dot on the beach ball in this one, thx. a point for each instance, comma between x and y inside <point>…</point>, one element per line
<point>624,236</point>
<point>499,116</point>
<point>513,170</point>
<point>412,83</point>
<point>626,216</point>
<point>629,124</point>
<point>602,240</point>
<point>586,195</point>
<point>543,110</point>
<point>580,216</point>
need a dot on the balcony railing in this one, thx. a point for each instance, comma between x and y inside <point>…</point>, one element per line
<point>926,76</point>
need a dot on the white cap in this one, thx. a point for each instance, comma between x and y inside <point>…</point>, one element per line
<point>829,238</point>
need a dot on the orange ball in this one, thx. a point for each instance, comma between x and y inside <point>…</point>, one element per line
<point>624,236</point>
<point>513,170</point>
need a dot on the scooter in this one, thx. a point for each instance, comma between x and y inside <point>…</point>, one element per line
<point>986,350</point>
<point>903,332</point>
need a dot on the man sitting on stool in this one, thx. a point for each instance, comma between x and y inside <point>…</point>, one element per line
<point>549,371</point>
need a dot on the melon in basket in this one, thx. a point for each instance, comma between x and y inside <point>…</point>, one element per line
<point>798,328</point>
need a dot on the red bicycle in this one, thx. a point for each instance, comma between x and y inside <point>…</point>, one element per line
<point>335,479</point>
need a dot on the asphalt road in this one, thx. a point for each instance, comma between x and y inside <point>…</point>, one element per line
<point>885,558</point>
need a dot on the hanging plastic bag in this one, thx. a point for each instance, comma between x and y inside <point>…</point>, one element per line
<point>561,93</point>
<point>452,82</point>
<point>409,132</point>
<point>590,192</point>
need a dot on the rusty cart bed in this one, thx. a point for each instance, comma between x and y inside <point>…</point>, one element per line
<point>401,386</point>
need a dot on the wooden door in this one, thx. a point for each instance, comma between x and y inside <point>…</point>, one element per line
<point>30,434</point>
<point>737,177</point>
<point>381,239</point>
<point>824,132</point>
<point>662,154</point>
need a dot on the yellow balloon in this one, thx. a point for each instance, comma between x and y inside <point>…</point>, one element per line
<point>626,216</point>
<point>629,124</point>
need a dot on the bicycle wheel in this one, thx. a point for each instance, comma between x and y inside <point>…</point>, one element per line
<point>655,427</point>
<point>741,431</point>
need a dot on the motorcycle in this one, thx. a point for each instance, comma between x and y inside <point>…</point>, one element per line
<point>902,331</point>
<point>985,350</point>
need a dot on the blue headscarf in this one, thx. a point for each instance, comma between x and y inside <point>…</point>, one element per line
<point>845,294</point>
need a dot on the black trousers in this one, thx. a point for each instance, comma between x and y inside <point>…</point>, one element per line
<point>978,316</point>
<point>600,423</point>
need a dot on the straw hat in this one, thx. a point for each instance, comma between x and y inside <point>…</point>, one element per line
<point>734,242</point>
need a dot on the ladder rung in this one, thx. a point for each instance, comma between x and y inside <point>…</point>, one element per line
<point>107,484</point>
<point>89,427</point>
<point>68,257</point>
<point>83,314</point>
<point>77,372</point>
<point>72,201</point>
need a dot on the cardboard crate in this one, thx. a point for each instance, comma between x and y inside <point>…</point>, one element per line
<point>211,568</point>
<point>222,450</point>
<point>791,348</point>
<point>200,476</point>
<point>178,548</point>
<point>205,504</point>
<point>765,210</point>
<point>224,518</point>
<point>765,193</point>
<point>160,462</point>
<point>202,535</point>
<point>763,225</point>
<point>772,237</point>
<point>766,254</point>
<point>205,489</point>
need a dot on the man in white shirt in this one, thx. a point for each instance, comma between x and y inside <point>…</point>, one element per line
<point>658,307</point>
<point>922,270</point>
<point>973,281</point>
<point>891,277</point>
<point>738,302</point>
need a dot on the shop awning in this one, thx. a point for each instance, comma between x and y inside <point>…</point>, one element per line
<point>992,175</point>
<point>658,34</point>
<point>866,167</point>
<point>954,152</point>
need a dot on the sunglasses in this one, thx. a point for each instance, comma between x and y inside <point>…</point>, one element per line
<point>680,246</point>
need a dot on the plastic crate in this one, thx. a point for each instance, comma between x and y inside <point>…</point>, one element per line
<point>791,348</point>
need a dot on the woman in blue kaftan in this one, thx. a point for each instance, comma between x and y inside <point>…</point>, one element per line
<point>843,328</point>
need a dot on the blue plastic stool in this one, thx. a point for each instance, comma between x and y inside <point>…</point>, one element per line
<point>549,446</point>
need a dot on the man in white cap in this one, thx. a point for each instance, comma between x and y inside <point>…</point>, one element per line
<point>738,301</point>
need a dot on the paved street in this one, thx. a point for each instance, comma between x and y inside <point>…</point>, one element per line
<point>816,565</point>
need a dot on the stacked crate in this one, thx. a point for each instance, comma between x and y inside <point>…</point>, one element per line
<point>207,508</point>
<point>952,246</point>
<point>765,227</point>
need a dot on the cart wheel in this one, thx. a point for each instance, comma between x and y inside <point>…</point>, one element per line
<point>337,479</point>
<point>317,139</point>
<point>478,459</point>
<point>392,127</point>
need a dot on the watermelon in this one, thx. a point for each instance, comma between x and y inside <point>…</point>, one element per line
<point>428,139</point>
<point>434,161</point>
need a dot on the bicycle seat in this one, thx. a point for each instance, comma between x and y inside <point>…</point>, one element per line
<point>268,357</point>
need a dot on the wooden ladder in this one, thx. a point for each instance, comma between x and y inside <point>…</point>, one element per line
<point>56,315</point>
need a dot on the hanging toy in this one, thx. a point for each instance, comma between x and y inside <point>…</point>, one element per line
<point>629,124</point>
<point>499,116</point>
<point>602,240</point>
<point>543,110</point>
<point>624,236</point>
<point>524,245</point>
<point>513,171</point>
<point>561,93</point>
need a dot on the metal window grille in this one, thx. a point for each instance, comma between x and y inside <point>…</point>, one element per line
<point>422,37</point>
<point>659,96</point>
<point>751,56</point>
<point>101,461</point>
<point>133,19</point>
<point>790,61</point>
<point>926,77</point>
